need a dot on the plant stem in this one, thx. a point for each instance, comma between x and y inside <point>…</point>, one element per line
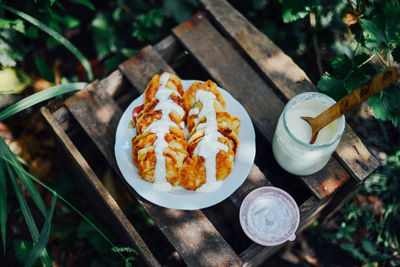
<point>382,60</point>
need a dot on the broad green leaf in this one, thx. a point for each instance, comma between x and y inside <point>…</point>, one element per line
<point>40,246</point>
<point>44,70</point>
<point>331,86</point>
<point>27,215</point>
<point>52,2</point>
<point>85,3</point>
<point>385,105</point>
<point>13,81</point>
<point>382,30</point>
<point>56,36</point>
<point>39,97</point>
<point>3,202</point>
<point>341,66</point>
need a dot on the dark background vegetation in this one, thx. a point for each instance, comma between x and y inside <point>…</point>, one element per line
<point>316,34</point>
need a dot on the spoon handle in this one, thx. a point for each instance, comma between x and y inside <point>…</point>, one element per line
<point>373,86</point>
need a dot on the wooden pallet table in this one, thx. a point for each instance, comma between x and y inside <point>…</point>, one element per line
<point>220,44</point>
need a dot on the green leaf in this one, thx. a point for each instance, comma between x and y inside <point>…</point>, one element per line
<point>52,2</point>
<point>382,30</point>
<point>39,97</point>
<point>293,10</point>
<point>27,215</point>
<point>369,247</point>
<point>103,35</point>
<point>385,105</point>
<point>31,32</point>
<point>22,249</point>
<point>71,22</point>
<point>40,246</point>
<point>355,252</point>
<point>3,203</point>
<point>56,36</point>
<point>85,3</point>
<point>331,86</point>
<point>5,152</point>
<point>396,54</point>
<point>145,24</point>
<point>17,24</point>
<point>44,70</point>
<point>341,66</point>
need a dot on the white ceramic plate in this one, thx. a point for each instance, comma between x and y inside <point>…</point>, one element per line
<point>178,197</point>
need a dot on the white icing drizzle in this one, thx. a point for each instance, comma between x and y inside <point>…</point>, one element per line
<point>160,128</point>
<point>209,146</point>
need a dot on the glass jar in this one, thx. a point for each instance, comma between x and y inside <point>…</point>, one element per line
<point>290,143</point>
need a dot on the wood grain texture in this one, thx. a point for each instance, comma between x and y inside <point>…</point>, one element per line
<point>168,48</point>
<point>228,68</point>
<point>287,77</point>
<point>190,232</point>
<point>109,203</point>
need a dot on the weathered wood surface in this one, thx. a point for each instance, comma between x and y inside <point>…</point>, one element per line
<point>190,232</point>
<point>109,202</point>
<point>233,73</point>
<point>287,77</point>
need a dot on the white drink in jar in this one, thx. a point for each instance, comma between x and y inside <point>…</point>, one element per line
<point>290,144</point>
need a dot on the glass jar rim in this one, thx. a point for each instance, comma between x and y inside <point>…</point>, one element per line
<point>310,95</point>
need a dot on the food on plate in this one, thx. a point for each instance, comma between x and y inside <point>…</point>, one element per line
<point>160,147</point>
<point>213,139</point>
<point>161,151</point>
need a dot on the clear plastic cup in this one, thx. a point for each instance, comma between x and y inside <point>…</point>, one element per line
<point>269,216</point>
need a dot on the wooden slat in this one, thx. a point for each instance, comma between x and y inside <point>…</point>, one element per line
<point>190,232</point>
<point>233,73</point>
<point>168,48</point>
<point>254,180</point>
<point>287,77</point>
<point>109,202</point>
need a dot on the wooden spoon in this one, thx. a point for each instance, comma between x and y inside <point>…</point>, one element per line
<point>376,84</point>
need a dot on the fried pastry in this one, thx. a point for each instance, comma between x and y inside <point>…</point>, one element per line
<point>161,152</point>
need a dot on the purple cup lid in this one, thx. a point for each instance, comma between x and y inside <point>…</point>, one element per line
<point>269,216</point>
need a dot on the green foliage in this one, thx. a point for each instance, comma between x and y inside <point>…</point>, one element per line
<point>379,223</point>
<point>54,34</point>
<point>44,70</point>
<point>347,75</point>
<point>379,30</point>
<point>293,10</point>
<point>382,30</point>
<point>145,25</point>
<point>39,97</point>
